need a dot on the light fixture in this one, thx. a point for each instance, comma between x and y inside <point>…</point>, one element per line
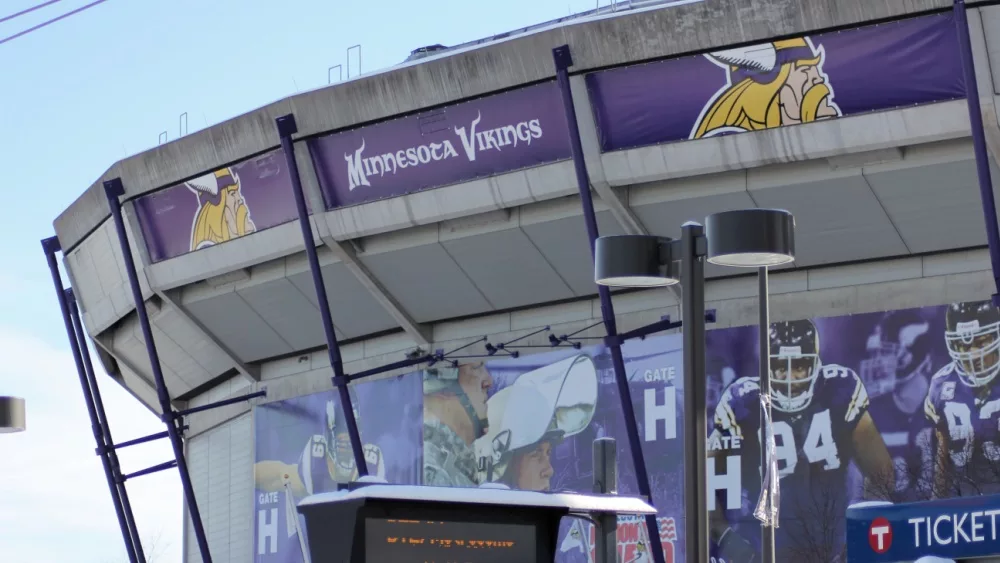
<point>11,415</point>
<point>634,261</point>
<point>751,238</point>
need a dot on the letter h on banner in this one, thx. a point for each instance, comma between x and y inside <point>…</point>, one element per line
<point>563,60</point>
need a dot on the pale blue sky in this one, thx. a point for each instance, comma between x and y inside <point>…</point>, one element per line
<point>80,94</point>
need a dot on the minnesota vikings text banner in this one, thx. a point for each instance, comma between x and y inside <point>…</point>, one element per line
<point>217,207</point>
<point>458,143</point>
<point>787,82</point>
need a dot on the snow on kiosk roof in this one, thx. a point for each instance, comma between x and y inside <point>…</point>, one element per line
<point>572,502</point>
<point>382,522</point>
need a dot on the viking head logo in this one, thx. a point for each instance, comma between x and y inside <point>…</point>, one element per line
<point>222,212</point>
<point>769,85</point>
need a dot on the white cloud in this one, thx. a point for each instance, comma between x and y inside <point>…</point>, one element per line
<point>54,501</point>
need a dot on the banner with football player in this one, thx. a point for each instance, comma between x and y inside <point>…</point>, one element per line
<point>302,448</point>
<point>899,406</point>
<point>891,406</point>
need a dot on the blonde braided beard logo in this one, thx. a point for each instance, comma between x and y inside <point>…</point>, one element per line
<point>776,93</point>
<point>219,221</point>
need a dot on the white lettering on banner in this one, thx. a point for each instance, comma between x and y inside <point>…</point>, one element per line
<point>667,412</point>
<point>665,373</point>
<point>718,442</point>
<point>818,446</point>
<point>731,481</point>
<point>956,528</point>
<point>267,529</point>
<point>361,168</point>
<point>268,498</point>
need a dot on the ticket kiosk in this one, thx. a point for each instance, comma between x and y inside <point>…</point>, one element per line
<point>381,523</point>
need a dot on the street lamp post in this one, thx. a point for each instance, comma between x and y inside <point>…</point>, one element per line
<point>650,261</point>
<point>12,417</point>
<point>758,238</point>
<point>748,238</point>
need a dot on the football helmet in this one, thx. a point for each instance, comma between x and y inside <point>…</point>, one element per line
<point>794,363</point>
<point>899,351</point>
<point>337,437</point>
<point>972,335</point>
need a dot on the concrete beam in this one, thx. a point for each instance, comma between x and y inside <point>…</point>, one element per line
<point>616,39</point>
<point>250,372</point>
<point>595,167</point>
<point>347,252</point>
<point>141,388</point>
<point>590,141</point>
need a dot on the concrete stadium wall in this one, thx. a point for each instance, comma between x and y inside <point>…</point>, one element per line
<point>221,464</point>
<point>220,443</point>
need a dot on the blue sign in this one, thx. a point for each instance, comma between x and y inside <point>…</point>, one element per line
<point>957,528</point>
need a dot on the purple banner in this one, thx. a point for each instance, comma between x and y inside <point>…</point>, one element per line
<point>476,139</point>
<point>787,82</point>
<point>302,448</point>
<point>859,402</point>
<point>217,207</point>
<point>541,414</point>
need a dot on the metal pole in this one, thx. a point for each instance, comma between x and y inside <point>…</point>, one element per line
<point>102,418</point>
<point>979,143</point>
<point>605,483</point>
<point>763,329</point>
<point>114,189</point>
<point>563,60</point>
<point>51,246</point>
<point>694,248</point>
<point>287,128</point>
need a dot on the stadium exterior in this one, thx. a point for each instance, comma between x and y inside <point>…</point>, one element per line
<point>885,197</point>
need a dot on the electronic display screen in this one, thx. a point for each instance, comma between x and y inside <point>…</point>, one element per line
<point>427,541</point>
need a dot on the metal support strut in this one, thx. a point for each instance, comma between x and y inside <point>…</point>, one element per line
<point>979,144</point>
<point>563,60</point>
<point>95,409</point>
<point>106,448</point>
<point>287,128</point>
<point>114,189</point>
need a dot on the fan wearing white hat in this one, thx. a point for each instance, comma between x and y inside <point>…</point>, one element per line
<point>454,418</point>
<point>933,559</point>
<point>222,211</point>
<point>529,417</point>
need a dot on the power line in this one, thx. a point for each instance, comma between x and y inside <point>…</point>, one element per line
<point>29,10</point>
<point>49,22</point>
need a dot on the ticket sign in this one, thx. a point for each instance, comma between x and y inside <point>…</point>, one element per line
<point>958,528</point>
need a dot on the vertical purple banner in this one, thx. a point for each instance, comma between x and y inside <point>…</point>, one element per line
<point>475,139</point>
<point>302,448</point>
<point>220,206</point>
<point>781,83</point>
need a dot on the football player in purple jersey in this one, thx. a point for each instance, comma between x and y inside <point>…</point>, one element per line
<point>325,460</point>
<point>897,375</point>
<point>963,403</point>
<point>821,424</point>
